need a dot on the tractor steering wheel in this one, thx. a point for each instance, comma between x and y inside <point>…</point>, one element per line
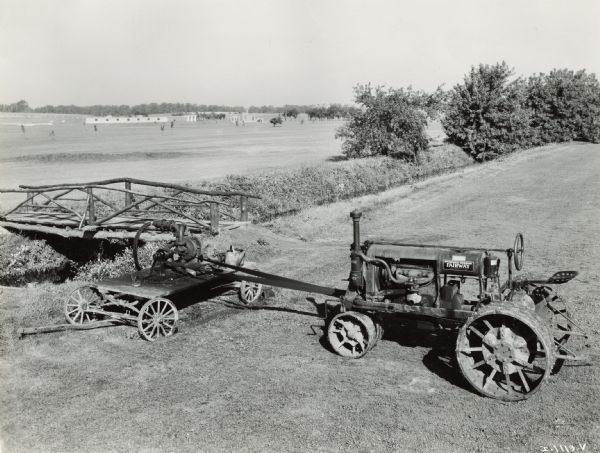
<point>519,251</point>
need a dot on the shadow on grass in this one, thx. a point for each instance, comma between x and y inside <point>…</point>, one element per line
<point>441,358</point>
<point>407,332</point>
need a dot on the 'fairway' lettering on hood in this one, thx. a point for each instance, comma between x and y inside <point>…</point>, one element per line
<point>458,265</point>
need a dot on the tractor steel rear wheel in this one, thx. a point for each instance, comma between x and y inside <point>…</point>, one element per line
<point>157,318</point>
<point>352,334</point>
<point>505,352</point>
<point>80,304</point>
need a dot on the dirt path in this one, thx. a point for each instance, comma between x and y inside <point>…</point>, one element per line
<point>260,380</point>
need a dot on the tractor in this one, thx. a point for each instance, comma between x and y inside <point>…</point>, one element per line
<point>511,335</point>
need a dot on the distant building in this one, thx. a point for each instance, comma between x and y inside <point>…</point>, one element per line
<point>126,119</point>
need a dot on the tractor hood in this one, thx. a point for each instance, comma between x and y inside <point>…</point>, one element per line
<point>447,260</point>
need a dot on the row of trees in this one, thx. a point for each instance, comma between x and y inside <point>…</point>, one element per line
<point>121,110</point>
<point>489,114</point>
<point>286,111</point>
<point>313,111</point>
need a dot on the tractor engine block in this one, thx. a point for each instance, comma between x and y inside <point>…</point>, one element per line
<point>412,284</point>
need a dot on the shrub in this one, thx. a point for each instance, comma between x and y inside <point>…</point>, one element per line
<point>275,121</point>
<point>565,106</point>
<point>485,115</point>
<point>391,122</point>
<point>121,264</point>
<point>24,260</point>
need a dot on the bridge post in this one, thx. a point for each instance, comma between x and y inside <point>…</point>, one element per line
<point>29,196</point>
<point>128,196</point>
<point>91,209</point>
<point>214,217</point>
<point>243,208</point>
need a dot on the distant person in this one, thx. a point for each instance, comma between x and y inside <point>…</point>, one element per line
<point>95,128</point>
<point>172,124</point>
<point>23,128</point>
<point>162,127</point>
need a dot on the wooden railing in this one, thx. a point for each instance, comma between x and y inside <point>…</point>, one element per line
<point>125,203</point>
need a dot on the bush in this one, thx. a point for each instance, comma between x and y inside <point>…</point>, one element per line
<point>276,121</point>
<point>486,115</point>
<point>565,105</point>
<point>390,123</point>
<point>24,260</point>
<point>121,264</point>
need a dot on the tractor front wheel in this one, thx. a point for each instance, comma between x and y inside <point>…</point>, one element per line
<point>352,334</point>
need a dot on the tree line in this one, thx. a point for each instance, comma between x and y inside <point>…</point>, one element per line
<point>489,114</point>
<point>287,111</point>
<point>121,110</point>
<point>314,112</point>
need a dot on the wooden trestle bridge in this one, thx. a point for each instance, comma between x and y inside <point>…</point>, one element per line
<point>117,208</point>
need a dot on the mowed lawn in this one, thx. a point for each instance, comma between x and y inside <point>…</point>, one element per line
<point>263,380</point>
<point>188,151</point>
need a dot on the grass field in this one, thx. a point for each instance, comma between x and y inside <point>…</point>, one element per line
<point>187,152</point>
<point>261,380</point>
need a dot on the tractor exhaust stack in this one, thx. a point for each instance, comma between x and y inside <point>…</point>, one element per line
<point>355,260</point>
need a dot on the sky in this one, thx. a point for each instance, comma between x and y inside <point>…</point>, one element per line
<point>275,52</point>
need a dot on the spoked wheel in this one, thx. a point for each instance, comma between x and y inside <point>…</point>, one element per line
<point>250,292</point>
<point>553,311</point>
<point>80,305</point>
<point>505,352</point>
<point>352,334</point>
<point>157,318</point>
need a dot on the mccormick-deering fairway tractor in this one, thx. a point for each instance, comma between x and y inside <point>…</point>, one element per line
<point>512,334</point>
